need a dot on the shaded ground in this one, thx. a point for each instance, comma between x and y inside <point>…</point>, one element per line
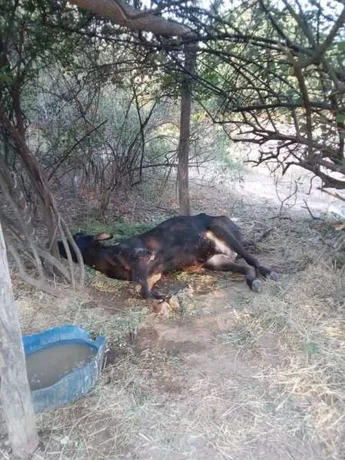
<point>235,376</point>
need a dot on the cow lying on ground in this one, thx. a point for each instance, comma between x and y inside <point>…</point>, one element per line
<point>177,243</point>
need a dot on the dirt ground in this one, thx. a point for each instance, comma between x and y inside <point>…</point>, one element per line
<point>236,375</point>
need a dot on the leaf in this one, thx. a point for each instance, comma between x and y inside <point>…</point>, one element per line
<point>340,118</point>
<point>31,7</point>
<point>341,46</point>
<point>4,78</point>
<point>291,72</point>
<point>291,93</point>
<point>312,348</point>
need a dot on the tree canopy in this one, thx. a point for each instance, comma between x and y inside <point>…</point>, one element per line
<point>267,70</point>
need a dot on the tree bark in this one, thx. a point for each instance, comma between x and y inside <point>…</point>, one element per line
<point>34,170</point>
<point>186,109</point>
<point>124,15</point>
<point>40,184</point>
<point>15,395</point>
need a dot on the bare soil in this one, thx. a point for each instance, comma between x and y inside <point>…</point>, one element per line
<point>236,375</point>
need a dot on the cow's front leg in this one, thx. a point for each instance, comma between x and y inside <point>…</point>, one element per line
<point>160,304</point>
<point>145,283</point>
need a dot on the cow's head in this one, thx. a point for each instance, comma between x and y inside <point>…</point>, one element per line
<point>84,242</point>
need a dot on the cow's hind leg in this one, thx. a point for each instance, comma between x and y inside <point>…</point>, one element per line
<point>225,263</point>
<point>222,234</point>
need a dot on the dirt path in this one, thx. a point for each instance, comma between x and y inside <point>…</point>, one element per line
<point>265,189</point>
<point>216,405</point>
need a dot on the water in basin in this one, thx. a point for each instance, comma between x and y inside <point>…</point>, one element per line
<point>47,366</point>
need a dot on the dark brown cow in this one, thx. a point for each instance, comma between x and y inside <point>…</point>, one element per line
<point>177,243</point>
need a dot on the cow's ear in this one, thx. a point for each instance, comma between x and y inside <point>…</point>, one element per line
<point>103,237</point>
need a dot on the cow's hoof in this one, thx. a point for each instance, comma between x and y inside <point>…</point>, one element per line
<point>274,276</point>
<point>164,310</point>
<point>160,308</point>
<point>256,286</point>
<point>174,303</point>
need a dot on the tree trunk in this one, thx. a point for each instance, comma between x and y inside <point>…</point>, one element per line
<point>35,172</point>
<point>15,396</point>
<point>183,148</point>
<point>41,186</point>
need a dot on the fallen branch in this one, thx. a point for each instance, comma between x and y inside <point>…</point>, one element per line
<point>310,213</point>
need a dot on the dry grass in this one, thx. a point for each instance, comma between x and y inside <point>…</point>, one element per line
<point>39,311</point>
<point>289,403</point>
<point>297,330</point>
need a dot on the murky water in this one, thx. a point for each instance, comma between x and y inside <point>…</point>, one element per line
<point>48,366</point>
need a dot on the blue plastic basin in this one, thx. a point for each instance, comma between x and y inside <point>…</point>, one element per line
<point>80,380</point>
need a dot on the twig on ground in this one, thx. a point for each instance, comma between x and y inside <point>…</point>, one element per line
<point>279,216</point>
<point>309,210</point>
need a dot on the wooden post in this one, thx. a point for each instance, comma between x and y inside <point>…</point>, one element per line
<point>186,109</point>
<point>15,396</point>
